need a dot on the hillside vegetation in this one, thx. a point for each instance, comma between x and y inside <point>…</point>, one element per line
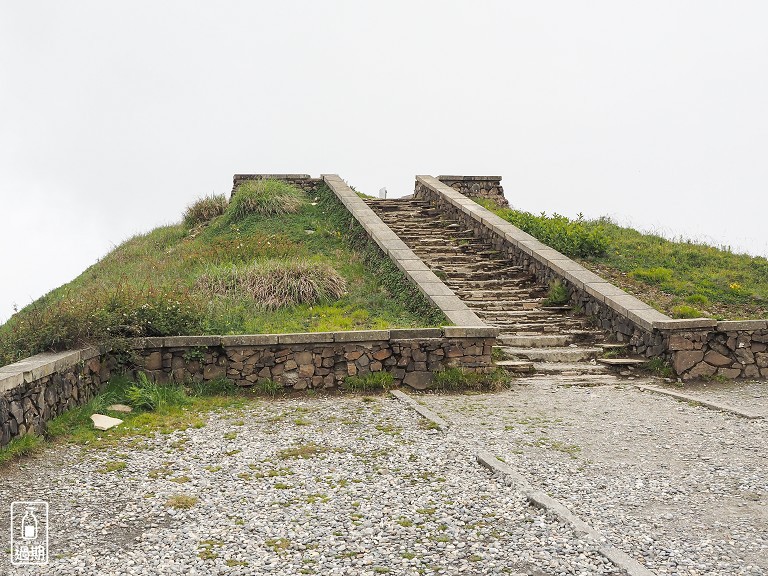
<point>684,279</point>
<point>272,260</point>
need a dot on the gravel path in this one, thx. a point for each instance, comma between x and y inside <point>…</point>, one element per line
<point>681,488</point>
<point>320,486</point>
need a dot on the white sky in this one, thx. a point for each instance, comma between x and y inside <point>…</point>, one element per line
<point>116,115</point>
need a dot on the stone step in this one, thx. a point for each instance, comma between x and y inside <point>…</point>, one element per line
<point>569,368</point>
<point>622,362</point>
<point>553,353</point>
<point>535,340</point>
<point>521,366</point>
<point>612,346</point>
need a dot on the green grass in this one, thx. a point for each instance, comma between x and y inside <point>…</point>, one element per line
<point>151,284</point>
<point>19,447</point>
<point>453,379</point>
<point>681,278</point>
<point>369,382</point>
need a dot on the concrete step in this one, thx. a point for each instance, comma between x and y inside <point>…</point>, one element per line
<point>569,368</point>
<point>622,362</point>
<point>535,340</point>
<point>553,353</point>
<point>521,366</point>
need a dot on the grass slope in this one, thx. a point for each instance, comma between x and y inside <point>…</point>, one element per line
<point>684,279</point>
<point>150,285</point>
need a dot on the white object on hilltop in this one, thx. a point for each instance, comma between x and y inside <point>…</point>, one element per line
<point>102,422</point>
<point>383,193</point>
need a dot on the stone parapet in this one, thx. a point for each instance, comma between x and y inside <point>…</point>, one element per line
<point>488,187</point>
<point>44,386</point>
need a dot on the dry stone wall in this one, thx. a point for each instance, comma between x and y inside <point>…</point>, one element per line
<point>44,386</point>
<point>318,359</point>
<point>488,187</point>
<point>729,349</point>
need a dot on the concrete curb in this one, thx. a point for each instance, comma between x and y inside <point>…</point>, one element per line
<point>423,410</point>
<point>622,560</point>
<point>700,401</point>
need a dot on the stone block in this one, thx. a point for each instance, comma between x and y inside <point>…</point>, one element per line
<point>249,340</point>
<point>679,342</point>
<point>305,338</point>
<point>418,380</point>
<point>154,361</point>
<point>191,341</point>
<point>686,359</point>
<point>730,373</point>
<point>464,318</point>
<point>435,289</point>
<point>717,359</point>
<point>481,331</point>
<point>362,336</point>
<point>446,303</point>
<point>702,370</point>
<point>740,325</point>
<point>685,324</point>
<point>214,372</point>
<point>414,333</point>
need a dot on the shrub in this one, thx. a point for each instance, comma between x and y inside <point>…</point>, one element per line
<point>265,198</point>
<point>557,295</point>
<point>205,209</point>
<point>652,275</point>
<point>276,283</point>
<point>685,311</point>
<point>575,238</point>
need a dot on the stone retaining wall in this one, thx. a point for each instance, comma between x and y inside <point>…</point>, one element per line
<point>729,349</point>
<point>318,359</point>
<point>44,386</point>
<point>488,187</point>
<point>303,181</point>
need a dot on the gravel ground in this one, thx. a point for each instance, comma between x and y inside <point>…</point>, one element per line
<point>374,491</point>
<point>681,488</point>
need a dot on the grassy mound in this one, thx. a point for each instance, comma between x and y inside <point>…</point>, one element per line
<point>684,279</point>
<point>307,269</point>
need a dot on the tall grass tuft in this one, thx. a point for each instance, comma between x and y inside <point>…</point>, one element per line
<point>265,198</point>
<point>276,283</point>
<point>205,209</point>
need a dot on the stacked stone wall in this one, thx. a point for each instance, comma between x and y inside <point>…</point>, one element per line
<point>729,349</point>
<point>318,360</point>
<point>42,387</point>
<point>488,187</point>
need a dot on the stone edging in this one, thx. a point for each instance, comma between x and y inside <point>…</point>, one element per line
<point>538,498</point>
<point>42,365</point>
<point>423,410</point>
<point>720,407</point>
<point>403,257</point>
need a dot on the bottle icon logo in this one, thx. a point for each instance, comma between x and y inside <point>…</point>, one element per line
<point>29,533</point>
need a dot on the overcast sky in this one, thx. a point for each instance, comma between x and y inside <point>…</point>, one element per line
<point>116,115</point>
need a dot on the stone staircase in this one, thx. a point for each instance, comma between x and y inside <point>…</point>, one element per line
<point>533,337</point>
